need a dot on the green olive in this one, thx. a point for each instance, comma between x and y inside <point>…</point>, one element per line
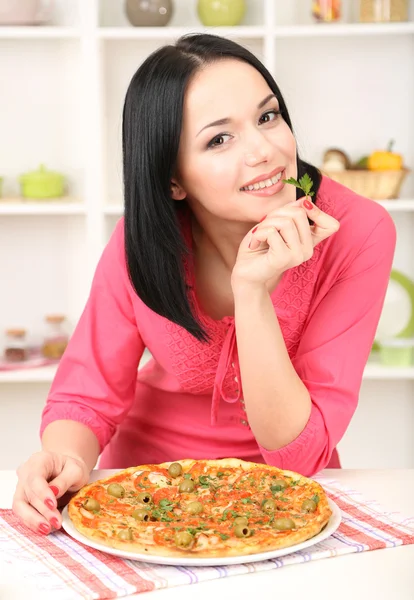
<point>92,505</point>
<point>175,469</point>
<point>145,498</point>
<point>116,490</point>
<point>243,521</point>
<point>195,508</point>
<point>187,485</point>
<point>183,539</point>
<point>125,534</point>
<point>140,514</point>
<point>283,524</point>
<point>268,506</point>
<point>241,531</point>
<point>278,485</point>
<point>308,506</point>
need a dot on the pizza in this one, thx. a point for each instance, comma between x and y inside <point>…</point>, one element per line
<point>201,508</point>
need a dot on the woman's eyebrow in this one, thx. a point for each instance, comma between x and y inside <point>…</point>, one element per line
<point>227,120</point>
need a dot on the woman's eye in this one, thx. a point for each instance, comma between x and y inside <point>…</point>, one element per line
<point>270,115</point>
<point>218,140</point>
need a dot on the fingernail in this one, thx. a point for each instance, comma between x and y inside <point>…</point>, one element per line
<point>55,523</point>
<point>54,489</point>
<point>263,218</point>
<point>50,504</point>
<point>43,529</point>
<point>254,230</point>
<point>307,204</point>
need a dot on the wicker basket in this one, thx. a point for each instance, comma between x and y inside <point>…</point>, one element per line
<point>378,185</point>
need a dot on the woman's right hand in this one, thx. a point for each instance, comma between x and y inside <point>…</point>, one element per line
<point>42,480</point>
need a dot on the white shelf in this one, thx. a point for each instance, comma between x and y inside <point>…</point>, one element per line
<point>155,33</point>
<point>43,208</point>
<point>46,374</point>
<point>343,29</point>
<point>39,33</point>
<point>37,375</point>
<point>377,371</point>
<point>403,205</point>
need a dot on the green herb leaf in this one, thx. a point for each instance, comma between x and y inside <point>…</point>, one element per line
<point>247,501</point>
<point>315,498</point>
<point>224,536</point>
<point>305,184</point>
<point>187,475</point>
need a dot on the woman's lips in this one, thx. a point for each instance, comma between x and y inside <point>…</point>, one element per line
<point>268,191</point>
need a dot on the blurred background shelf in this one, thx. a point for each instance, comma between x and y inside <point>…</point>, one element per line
<point>39,33</point>
<point>345,29</point>
<point>59,207</point>
<point>399,205</point>
<point>46,374</point>
<point>43,374</point>
<point>156,33</point>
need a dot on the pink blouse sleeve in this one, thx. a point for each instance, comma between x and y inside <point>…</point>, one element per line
<point>334,350</point>
<point>96,378</point>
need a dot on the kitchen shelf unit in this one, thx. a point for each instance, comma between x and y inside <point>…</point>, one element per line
<point>102,51</point>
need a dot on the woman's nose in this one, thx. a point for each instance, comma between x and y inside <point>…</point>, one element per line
<point>257,151</point>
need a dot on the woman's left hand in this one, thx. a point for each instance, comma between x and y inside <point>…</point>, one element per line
<point>284,239</point>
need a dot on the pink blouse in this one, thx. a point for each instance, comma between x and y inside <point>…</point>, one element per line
<point>186,402</point>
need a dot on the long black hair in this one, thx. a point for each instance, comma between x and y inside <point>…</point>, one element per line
<point>152,122</point>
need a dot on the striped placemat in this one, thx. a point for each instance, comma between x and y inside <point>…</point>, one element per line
<point>73,571</point>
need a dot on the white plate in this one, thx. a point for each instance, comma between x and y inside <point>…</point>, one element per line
<point>331,526</point>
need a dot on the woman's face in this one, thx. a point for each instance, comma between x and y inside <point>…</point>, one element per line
<point>232,136</point>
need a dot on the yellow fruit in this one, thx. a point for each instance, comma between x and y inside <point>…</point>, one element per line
<point>385,160</point>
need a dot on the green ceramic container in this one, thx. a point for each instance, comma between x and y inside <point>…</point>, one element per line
<point>218,13</point>
<point>42,184</point>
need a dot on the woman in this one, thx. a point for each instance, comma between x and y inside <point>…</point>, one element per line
<point>258,306</point>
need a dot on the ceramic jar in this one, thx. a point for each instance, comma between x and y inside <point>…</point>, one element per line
<point>149,13</point>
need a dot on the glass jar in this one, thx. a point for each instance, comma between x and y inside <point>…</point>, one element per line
<point>326,11</point>
<point>16,349</point>
<point>374,11</point>
<point>56,338</point>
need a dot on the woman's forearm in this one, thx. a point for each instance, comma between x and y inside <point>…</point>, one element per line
<point>72,438</point>
<point>278,404</point>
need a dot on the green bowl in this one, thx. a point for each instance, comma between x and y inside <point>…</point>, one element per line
<point>42,184</point>
<point>218,13</point>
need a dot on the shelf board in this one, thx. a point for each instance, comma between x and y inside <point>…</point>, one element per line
<point>399,205</point>
<point>378,371</point>
<point>43,374</point>
<point>39,33</point>
<point>373,371</point>
<point>42,207</point>
<point>114,209</point>
<point>343,29</point>
<point>145,33</point>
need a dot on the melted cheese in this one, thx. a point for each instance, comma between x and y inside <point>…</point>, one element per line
<point>159,479</point>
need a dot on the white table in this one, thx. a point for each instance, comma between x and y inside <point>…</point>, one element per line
<point>382,574</point>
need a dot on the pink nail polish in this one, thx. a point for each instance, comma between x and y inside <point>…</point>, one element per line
<point>43,529</point>
<point>55,523</point>
<point>50,504</point>
<point>254,230</point>
<point>262,219</point>
<point>307,204</point>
